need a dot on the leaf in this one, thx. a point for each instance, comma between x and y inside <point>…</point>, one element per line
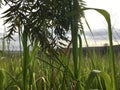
<point>106,80</point>
<point>90,79</point>
<point>2,79</point>
<point>98,80</point>
<point>111,55</point>
<point>88,28</point>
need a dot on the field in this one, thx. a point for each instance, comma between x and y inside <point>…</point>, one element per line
<point>57,73</point>
<point>39,65</point>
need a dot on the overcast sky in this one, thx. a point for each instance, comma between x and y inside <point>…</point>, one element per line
<point>97,22</point>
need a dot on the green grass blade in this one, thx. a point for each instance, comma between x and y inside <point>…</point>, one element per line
<point>90,79</point>
<point>34,82</point>
<point>31,65</point>
<point>88,27</point>
<point>25,58</point>
<point>17,88</point>
<point>80,56</point>
<point>98,80</point>
<point>112,62</point>
<point>2,79</point>
<point>105,78</point>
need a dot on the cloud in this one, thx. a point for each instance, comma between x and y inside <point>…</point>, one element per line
<point>102,34</point>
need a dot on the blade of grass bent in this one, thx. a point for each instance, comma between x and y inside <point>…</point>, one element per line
<point>89,27</point>
<point>107,18</point>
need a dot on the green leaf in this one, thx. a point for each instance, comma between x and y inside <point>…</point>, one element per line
<point>2,79</point>
<point>90,79</point>
<point>106,80</point>
<point>111,55</point>
<point>98,80</point>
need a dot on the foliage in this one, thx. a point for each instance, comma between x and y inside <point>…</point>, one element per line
<point>45,23</point>
<point>54,76</point>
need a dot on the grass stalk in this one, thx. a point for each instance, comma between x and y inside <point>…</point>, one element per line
<point>2,79</point>
<point>111,53</point>
<point>74,34</point>
<point>25,59</point>
<point>80,55</point>
<point>31,66</point>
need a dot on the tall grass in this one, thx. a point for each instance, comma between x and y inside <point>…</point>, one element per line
<point>61,72</point>
<point>39,75</point>
<point>111,53</point>
<point>74,34</point>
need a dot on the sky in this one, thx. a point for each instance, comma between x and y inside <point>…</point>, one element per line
<point>96,22</point>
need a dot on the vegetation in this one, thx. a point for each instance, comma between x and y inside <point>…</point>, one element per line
<point>44,73</point>
<point>42,24</point>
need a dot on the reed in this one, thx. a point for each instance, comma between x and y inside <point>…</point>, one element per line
<point>77,72</point>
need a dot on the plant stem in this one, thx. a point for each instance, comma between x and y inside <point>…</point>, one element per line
<point>25,59</point>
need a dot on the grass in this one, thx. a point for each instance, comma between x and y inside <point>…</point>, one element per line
<point>45,76</point>
<point>76,72</point>
<point>33,71</point>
